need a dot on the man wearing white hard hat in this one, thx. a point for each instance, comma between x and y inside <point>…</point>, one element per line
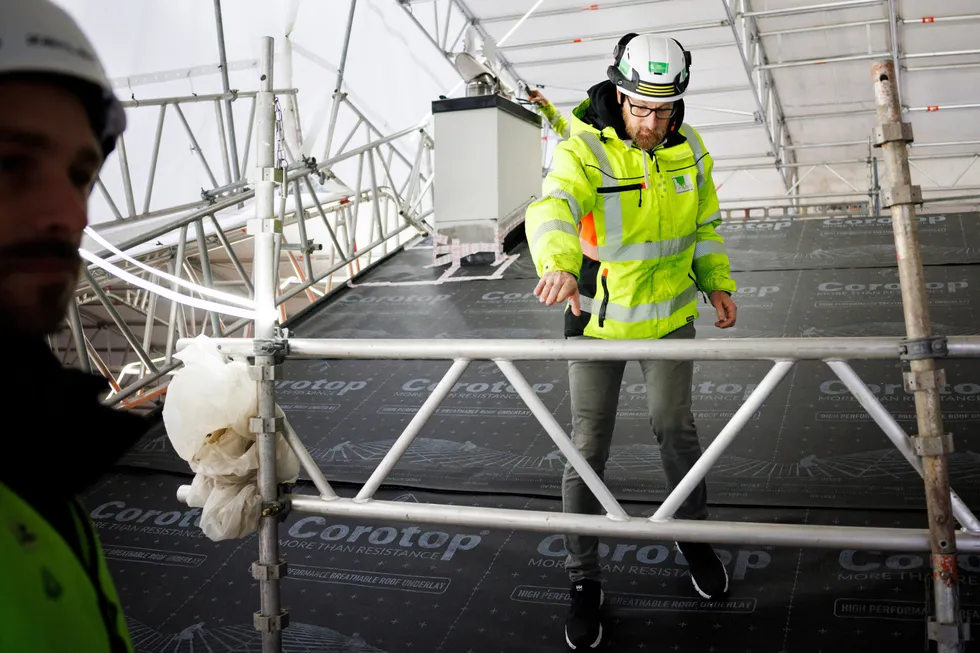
<point>625,234</point>
<point>59,120</point>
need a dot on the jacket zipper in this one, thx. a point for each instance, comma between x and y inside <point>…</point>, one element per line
<point>605,297</point>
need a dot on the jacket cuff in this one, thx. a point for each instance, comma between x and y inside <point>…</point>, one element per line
<point>726,285</point>
<point>567,264</point>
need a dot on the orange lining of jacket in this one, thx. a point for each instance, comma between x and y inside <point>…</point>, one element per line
<point>587,237</point>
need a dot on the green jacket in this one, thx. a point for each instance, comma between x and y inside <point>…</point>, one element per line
<point>57,595</point>
<point>54,599</point>
<point>636,228</point>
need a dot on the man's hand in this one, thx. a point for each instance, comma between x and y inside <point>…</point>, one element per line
<point>537,97</point>
<point>559,286</point>
<point>725,307</point>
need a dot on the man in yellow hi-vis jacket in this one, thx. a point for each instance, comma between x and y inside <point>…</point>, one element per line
<point>625,233</point>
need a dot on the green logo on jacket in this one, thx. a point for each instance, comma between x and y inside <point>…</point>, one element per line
<point>682,184</point>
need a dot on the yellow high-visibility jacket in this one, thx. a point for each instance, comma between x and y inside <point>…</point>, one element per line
<point>636,228</point>
<point>557,121</point>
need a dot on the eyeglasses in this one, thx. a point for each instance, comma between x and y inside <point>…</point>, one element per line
<point>663,113</point>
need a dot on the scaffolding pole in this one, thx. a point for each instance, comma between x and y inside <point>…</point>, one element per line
<point>226,86</point>
<point>920,351</point>
<point>269,570</point>
<point>338,93</point>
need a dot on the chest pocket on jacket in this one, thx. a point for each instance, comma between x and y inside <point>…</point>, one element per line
<point>682,191</point>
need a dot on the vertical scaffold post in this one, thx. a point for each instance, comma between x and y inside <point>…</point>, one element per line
<point>920,350</point>
<point>268,349</point>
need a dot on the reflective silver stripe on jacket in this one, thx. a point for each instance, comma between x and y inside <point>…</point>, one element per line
<point>646,251</point>
<point>716,216</point>
<point>695,143</point>
<point>551,226</point>
<point>612,208</point>
<point>642,312</point>
<point>706,247</point>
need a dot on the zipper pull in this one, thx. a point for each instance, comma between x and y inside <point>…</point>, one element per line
<point>605,297</point>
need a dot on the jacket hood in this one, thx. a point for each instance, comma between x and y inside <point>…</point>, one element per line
<point>602,110</point>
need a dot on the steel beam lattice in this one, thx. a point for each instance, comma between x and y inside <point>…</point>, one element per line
<point>399,204</point>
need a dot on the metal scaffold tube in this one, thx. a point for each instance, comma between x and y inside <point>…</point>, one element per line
<point>641,528</point>
<point>733,349</point>
<point>920,350</point>
<point>226,86</point>
<point>269,569</point>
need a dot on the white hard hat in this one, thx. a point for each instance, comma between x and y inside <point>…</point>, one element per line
<point>651,67</point>
<point>39,38</point>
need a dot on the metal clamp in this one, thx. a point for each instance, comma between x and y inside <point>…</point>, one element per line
<point>931,380</point>
<point>314,171</point>
<point>948,633</point>
<point>892,132</point>
<point>269,572</point>
<point>265,372</point>
<point>901,195</point>
<point>921,348</point>
<point>275,509</point>
<point>271,225</point>
<point>935,445</point>
<point>270,624</point>
<point>271,174</point>
<point>265,425</point>
<point>277,347</point>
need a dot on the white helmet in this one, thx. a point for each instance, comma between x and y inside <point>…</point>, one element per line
<point>39,38</point>
<point>651,67</point>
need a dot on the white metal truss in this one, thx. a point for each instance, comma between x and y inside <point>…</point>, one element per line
<point>754,59</point>
<point>784,153</point>
<point>384,204</point>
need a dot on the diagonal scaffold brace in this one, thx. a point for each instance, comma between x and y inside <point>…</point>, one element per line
<point>920,351</point>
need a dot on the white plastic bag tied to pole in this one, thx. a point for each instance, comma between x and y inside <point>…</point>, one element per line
<point>206,414</point>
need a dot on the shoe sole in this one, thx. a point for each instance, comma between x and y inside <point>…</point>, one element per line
<point>595,644</point>
<point>694,582</point>
<point>598,639</point>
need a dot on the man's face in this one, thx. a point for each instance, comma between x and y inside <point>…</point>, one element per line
<point>49,160</point>
<point>646,121</point>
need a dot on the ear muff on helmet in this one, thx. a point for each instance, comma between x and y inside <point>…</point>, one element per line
<point>687,53</point>
<point>621,47</point>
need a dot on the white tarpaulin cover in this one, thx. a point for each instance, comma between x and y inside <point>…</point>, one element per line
<point>209,403</point>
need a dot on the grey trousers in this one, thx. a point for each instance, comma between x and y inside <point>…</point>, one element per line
<point>594,388</point>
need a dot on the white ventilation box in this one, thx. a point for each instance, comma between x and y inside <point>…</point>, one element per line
<point>487,171</point>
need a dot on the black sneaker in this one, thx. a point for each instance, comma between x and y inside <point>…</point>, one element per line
<point>583,630</point>
<point>708,575</point>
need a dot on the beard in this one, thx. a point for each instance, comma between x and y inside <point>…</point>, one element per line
<point>644,138</point>
<point>37,283</point>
